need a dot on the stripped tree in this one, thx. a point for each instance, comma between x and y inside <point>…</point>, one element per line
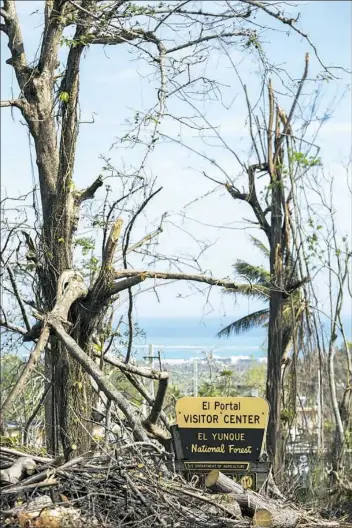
<point>279,158</point>
<point>70,314</point>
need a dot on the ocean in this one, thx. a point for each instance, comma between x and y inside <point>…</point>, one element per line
<point>179,338</point>
<point>185,338</point>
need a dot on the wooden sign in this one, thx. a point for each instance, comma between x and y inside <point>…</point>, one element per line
<point>221,445</point>
<point>229,413</point>
<point>221,430</point>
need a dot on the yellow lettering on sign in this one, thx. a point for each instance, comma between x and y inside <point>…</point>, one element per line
<point>222,413</point>
<point>247,482</point>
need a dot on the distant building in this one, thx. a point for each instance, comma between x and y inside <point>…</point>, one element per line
<point>306,423</point>
<point>36,432</point>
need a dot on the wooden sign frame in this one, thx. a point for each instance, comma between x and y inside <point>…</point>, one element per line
<point>221,433</point>
<point>256,471</point>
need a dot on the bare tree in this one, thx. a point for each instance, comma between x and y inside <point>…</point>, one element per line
<point>279,159</point>
<point>48,102</point>
<point>70,315</point>
<point>331,255</point>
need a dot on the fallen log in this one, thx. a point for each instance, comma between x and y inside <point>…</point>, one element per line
<point>264,512</point>
<point>14,452</point>
<point>23,466</point>
<point>220,483</point>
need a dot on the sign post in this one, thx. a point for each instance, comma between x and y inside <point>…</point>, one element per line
<point>222,433</point>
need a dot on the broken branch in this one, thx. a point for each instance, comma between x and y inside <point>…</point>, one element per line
<point>138,276</point>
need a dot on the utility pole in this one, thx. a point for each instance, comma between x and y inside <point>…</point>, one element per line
<point>195,377</point>
<point>150,386</point>
<point>151,363</point>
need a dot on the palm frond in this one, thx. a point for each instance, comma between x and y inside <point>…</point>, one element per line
<point>255,291</point>
<point>256,274</point>
<point>260,245</point>
<point>245,323</point>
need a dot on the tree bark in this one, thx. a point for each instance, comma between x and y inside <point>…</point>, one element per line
<point>262,509</point>
<point>275,337</point>
<point>102,381</point>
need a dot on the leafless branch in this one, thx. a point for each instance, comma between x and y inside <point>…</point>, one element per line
<point>134,277</point>
<point>226,34</point>
<point>89,193</point>
<point>12,103</point>
<point>13,30</point>
<point>18,296</point>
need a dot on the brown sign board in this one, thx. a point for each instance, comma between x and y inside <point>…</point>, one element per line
<point>221,433</point>
<point>222,413</point>
<point>221,445</point>
<point>221,429</point>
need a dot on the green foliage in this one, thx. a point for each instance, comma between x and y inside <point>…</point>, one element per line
<point>10,441</point>
<point>123,385</point>
<point>134,10</point>
<point>246,323</point>
<point>224,385</point>
<point>69,18</point>
<point>287,415</point>
<point>260,245</point>
<point>255,377</point>
<point>86,243</point>
<point>226,373</point>
<point>64,97</point>
<point>209,389</point>
<point>256,274</point>
<point>348,439</point>
<point>253,41</point>
<point>98,222</point>
<point>11,367</point>
<point>83,40</point>
<point>306,162</point>
<point>93,264</point>
<point>228,383</point>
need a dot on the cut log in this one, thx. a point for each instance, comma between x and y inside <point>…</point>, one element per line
<point>22,467</point>
<point>220,483</point>
<point>263,518</point>
<point>230,503</point>
<point>263,511</point>
<point>278,518</point>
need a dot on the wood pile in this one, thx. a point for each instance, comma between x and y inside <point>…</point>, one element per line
<point>128,487</point>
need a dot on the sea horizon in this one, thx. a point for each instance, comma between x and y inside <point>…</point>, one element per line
<point>177,338</point>
<point>194,337</point>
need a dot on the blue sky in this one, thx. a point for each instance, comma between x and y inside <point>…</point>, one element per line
<point>113,87</point>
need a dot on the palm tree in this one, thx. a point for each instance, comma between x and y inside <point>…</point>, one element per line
<point>259,287</point>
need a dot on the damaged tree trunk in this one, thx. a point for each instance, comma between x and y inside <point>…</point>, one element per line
<point>68,405</point>
<point>275,342</point>
<point>71,287</point>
